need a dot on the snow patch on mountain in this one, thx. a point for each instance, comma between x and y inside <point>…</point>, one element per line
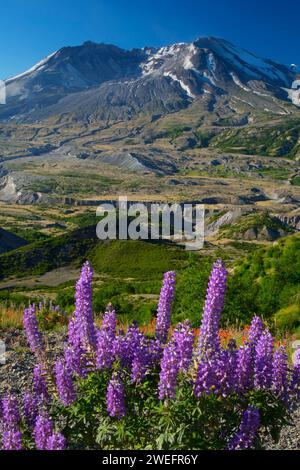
<point>238,82</point>
<point>185,87</point>
<point>211,63</point>
<point>294,95</point>
<point>188,64</point>
<point>158,57</point>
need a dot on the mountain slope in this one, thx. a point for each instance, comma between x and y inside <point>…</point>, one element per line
<point>66,71</point>
<point>103,82</point>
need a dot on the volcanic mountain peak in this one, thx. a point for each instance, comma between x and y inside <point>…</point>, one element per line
<point>106,81</point>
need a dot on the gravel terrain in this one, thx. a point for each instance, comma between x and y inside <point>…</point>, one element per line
<point>17,363</point>
<point>290,436</point>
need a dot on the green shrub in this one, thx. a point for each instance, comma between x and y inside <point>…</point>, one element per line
<point>288,318</point>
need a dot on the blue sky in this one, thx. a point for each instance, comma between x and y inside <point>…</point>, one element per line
<point>31,29</point>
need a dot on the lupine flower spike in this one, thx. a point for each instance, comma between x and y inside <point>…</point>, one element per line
<point>84,321</point>
<point>209,340</point>
<point>11,437</point>
<point>33,334</point>
<point>116,397</point>
<point>169,370</point>
<point>164,306</point>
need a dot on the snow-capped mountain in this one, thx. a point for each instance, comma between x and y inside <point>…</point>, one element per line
<point>98,81</point>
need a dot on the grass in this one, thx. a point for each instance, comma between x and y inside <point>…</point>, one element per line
<point>176,130</point>
<point>29,234</point>
<point>252,221</point>
<point>136,259</point>
<point>280,174</point>
<point>64,184</point>
<point>275,140</point>
<point>11,317</point>
<point>296,181</point>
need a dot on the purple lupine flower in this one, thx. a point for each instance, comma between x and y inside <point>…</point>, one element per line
<point>43,429</point>
<point>226,369</point>
<point>72,357</point>
<point>73,337</point>
<point>74,354</point>
<point>244,368</point>
<point>247,432</point>
<point>263,361</point>
<point>56,442</point>
<point>105,340</point>
<point>77,357</point>
<point>10,411</point>
<point>209,341</point>
<point>296,357</point>
<point>115,397</point>
<point>294,386</point>
<point>155,351</point>
<point>169,371</point>
<point>64,383</point>
<point>279,371</point>
<point>142,360</point>
<point>40,382</point>
<point>146,354</point>
<point>206,380</point>
<point>109,322</point>
<point>140,365</point>
<point>163,321</point>
<point>12,439</point>
<point>84,321</point>
<point>120,349</point>
<point>104,352</point>
<point>126,346</point>
<point>217,375</point>
<point>134,338</point>
<point>33,334</point>
<point>30,406</point>
<point>184,338</point>
<point>255,331</point>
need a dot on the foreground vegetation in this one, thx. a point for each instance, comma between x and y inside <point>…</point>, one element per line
<point>128,390</point>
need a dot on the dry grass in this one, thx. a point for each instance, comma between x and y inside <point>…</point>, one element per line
<point>11,317</point>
